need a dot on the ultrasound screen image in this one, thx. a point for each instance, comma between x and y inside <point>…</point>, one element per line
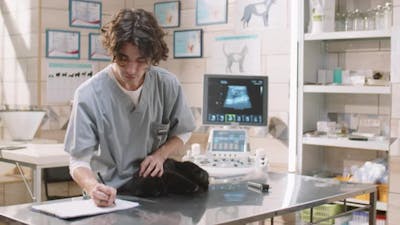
<point>232,99</point>
<point>237,97</point>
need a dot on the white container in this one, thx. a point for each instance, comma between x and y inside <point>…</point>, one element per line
<point>322,16</point>
<point>22,125</point>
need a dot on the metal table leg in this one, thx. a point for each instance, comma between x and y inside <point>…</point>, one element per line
<point>37,184</point>
<point>21,172</point>
<point>372,208</point>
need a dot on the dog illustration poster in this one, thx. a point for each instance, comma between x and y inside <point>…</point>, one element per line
<point>261,14</point>
<point>237,54</point>
<point>64,78</point>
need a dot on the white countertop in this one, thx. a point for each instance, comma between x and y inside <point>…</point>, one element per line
<point>39,154</point>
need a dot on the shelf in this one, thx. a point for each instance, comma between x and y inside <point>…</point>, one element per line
<point>346,143</point>
<point>381,206</point>
<point>347,89</point>
<point>348,35</point>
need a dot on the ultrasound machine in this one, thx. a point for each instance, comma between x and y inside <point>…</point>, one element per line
<point>231,103</point>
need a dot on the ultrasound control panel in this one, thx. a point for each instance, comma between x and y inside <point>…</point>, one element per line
<point>225,162</point>
<point>227,154</point>
<point>225,166</point>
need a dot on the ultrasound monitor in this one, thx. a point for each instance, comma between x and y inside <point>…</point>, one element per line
<point>234,99</point>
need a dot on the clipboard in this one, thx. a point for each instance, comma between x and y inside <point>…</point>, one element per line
<point>80,207</point>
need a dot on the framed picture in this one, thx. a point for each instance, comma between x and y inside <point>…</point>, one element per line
<point>188,43</point>
<point>96,49</point>
<point>63,44</point>
<point>168,13</point>
<point>211,12</point>
<point>85,14</point>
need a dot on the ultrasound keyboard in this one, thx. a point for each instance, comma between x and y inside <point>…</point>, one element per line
<point>220,166</point>
<point>227,154</point>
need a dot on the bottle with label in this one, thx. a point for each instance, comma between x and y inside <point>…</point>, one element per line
<point>317,16</point>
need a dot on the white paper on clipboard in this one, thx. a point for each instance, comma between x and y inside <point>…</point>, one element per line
<point>81,207</point>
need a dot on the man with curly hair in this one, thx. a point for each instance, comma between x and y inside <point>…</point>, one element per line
<point>130,116</point>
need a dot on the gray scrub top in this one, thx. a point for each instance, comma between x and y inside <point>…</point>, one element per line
<point>105,123</point>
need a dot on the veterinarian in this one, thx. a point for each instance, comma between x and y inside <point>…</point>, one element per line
<point>130,116</point>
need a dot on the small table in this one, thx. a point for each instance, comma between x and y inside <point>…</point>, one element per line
<point>37,157</point>
<point>228,201</point>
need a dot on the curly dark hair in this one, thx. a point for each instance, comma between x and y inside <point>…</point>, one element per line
<point>138,27</point>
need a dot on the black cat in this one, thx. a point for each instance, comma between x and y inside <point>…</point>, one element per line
<point>178,178</point>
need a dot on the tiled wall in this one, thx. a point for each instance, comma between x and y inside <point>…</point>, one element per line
<point>19,52</point>
<point>274,63</point>
<point>21,60</point>
<point>23,63</point>
<point>20,70</point>
<point>23,68</point>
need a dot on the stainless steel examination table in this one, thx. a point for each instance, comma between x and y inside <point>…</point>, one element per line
<point>228,201</point>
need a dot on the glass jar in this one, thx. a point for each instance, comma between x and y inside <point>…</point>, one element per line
<point>387,15</point>
<point>379,18</point>
<point>358,20</point>
<point>369,20</point>
<point>348,22</point>
<point>340,21</point>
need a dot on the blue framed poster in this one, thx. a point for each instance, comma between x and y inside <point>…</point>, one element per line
<point>167,13</point>
<point>188,43</point>
<point>96,49</point>
<point>63,44</point>
<point>86,14</point>
<point>211,12</point>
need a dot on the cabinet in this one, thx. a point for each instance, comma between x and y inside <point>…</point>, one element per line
<point>345,104</point>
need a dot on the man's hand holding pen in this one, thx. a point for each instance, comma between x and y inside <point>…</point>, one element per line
<point>101,194</point>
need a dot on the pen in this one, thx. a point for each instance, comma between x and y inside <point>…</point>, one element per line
<point>259,186</point>
<point>101,180</point>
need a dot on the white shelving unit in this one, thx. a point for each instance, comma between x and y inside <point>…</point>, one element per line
<point>348,35</point>
<point>314,102</point>
<point>347,89</point>
<point>346,143</point>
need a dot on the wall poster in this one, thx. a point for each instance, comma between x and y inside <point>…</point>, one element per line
<point>64,78</point>
<point>236,54</point>
<point>85,14</point>
<point>62,44</point>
